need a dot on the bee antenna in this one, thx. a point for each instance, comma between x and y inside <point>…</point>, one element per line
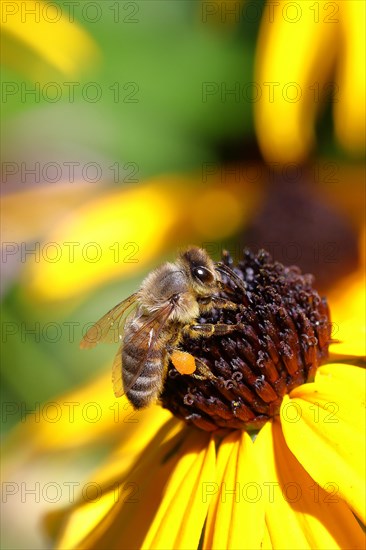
<point>226,270</point>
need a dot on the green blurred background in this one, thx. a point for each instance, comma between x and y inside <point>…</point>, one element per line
<point>156,122</point>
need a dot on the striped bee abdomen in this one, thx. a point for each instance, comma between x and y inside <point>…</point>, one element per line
<point>149,363</point>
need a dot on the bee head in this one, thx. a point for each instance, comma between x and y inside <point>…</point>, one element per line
<point>179,285</point>
<point>200,270</point>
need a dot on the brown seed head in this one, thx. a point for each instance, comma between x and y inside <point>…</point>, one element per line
<point>282,338</point>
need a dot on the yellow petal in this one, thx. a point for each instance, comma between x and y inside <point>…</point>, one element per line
<point>120,233</point>
<point>93,516</point>
<point>88,415</point>
<point>115,484</point>
<point>22,224</point>
<point>349,109</point>
<point>299,513</point>
<point>123,514</point>
<point>46,29</point>
<point>350,377</point>
<point>291,70</point>
<point>181,515</point>
<point>266,543</point>
<point>135,444</point>
<point>110,236</point>
<point>324,426</point>
<point>224,213</point>
<point>347,303</point>
<point>237,497</point>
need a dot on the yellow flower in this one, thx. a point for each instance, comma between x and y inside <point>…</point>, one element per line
<point>297,486</point>
<point>296,77</point>
<point>297,483</point>
<point>110,235</point>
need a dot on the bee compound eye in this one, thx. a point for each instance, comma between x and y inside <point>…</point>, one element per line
<point>202,274</point>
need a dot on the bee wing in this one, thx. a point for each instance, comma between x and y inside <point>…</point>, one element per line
<point>117,373</point>
<point>109,328</point>
<point>151,329</point>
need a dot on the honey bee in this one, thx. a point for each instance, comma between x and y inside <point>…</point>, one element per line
<point>165,308</point>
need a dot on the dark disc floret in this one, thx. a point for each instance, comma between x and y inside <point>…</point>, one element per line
<point>282,336</point>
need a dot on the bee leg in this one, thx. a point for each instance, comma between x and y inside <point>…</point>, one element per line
<point>202,372</point>
<point>222,303</point>
<point>205,331</point>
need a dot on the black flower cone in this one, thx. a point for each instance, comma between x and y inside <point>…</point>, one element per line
<point>282,337</point>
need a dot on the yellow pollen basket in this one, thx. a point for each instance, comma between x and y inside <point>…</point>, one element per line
<point>184,362</point>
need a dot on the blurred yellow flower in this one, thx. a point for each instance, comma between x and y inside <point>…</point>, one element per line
<point>77,425</point>
<point>121,231</point>
<point>46,30</point>
<point>21,223</point>
<point>106,233</point>
<point>307,52</point>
